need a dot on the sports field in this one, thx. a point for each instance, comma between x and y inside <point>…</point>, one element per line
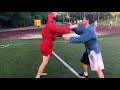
<point>21,58</point>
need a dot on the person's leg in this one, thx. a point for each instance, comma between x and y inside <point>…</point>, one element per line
<point>101,66</point>
<point>42,66</point>
<point>96,63</point>
<point>85,69</point>
<point>100,73</point>
<point>84,63</point>
<point>109,27</point>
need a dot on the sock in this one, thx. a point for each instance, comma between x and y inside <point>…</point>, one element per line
<point>86,73</point>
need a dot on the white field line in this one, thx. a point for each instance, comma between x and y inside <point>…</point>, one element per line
<point>68,66</point>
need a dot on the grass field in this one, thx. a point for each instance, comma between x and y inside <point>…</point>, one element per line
<point>22,58</point>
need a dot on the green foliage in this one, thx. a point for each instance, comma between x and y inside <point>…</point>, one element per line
<point>22,19</point>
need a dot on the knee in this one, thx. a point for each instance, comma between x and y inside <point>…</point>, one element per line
<point>45,62</point>
<point>100,74</point>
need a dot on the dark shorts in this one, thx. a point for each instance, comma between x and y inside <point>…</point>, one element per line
<point>85,59</point>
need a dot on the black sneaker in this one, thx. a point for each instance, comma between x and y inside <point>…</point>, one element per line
<point>82,75</point>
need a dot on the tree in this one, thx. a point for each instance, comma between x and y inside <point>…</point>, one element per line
<point>5,17</point>
<point>21,19</point>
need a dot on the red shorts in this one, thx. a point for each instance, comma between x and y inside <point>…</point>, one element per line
<point>46,48</point>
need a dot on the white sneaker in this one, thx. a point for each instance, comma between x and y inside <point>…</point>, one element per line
<point>44,74</point>
<point>37,77</point>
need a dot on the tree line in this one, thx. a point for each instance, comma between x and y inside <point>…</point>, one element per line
<point>22,19</point>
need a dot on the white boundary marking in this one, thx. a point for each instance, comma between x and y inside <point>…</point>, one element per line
<point>3,46</point>
<point>65,64</point>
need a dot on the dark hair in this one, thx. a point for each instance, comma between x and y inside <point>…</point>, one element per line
<point>90,17</point>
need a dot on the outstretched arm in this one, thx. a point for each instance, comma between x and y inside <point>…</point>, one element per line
<point>62,30</point>
<point>78,31</point>
<point>83,38</point>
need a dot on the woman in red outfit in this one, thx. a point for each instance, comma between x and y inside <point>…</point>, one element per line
<point>49,34</point>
